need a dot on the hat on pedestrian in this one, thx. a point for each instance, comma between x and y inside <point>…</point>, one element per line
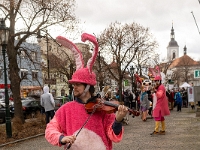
<point>158,77</point>
<point>82,74</point>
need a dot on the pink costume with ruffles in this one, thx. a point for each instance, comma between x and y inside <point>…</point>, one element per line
<point>161,106</point>
<point>97,134</point>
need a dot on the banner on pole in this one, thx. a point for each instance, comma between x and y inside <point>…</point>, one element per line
<point>190,94</point>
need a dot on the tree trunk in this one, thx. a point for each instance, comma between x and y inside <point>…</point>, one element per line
<point>14,71</point>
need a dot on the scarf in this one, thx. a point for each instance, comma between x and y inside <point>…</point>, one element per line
<point>142,96</point>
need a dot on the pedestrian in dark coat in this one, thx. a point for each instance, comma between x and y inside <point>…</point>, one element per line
<point>178,100</point>
<point>171,99</point>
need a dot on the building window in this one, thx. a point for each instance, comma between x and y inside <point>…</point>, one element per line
<point>34,56</point>
<point>24,74</point>
<point>55,75</point>
<point>61,77</point>
<point>1,72</point>
<point>34,74</point>
<point>62,92</point>
<point>23,54</point>
<point>174,55</point>
<point>53,92</point>
<point>51,76</point>
<point>8,70</point>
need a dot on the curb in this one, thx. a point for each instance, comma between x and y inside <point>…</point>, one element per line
<point>13,142</point>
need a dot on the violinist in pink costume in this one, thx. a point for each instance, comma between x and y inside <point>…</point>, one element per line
<point>160,106</point>
<point>72,126</point>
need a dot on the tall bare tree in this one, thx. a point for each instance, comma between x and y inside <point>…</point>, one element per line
<point>145,57</point>
<point>31,16</point>
<point>123,42</point>
<point>176,76</point>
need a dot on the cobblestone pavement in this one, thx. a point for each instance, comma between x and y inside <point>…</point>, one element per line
<point>182,133</point>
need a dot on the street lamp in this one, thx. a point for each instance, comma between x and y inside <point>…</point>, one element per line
<point>132,74</point>
<point>39,36</point>
<point>4,33</point>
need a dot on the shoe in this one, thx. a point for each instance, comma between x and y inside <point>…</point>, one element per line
<point>154,133</point>
<point>162,132</point>
<point>145,120</point>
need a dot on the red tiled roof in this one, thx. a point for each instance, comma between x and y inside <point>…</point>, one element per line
<point>185,60</point>
<point>113,64</point>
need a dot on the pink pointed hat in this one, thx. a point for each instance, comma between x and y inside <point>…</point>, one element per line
<point>82,75</point>
<point>158,77</point>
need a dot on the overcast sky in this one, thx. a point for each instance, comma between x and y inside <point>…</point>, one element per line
<point>157,15</point>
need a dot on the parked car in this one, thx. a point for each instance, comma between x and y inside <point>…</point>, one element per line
<point>36,97</point>
<point>30,108</point>
<point>3,115</point>
<point>28,98</point>
<point>3,104</point>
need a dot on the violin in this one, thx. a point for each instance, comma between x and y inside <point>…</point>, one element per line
<point>106,106</point>
<point>101,105</point>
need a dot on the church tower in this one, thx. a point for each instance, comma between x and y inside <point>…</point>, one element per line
<point>172,48</point>
<point>185,50</point>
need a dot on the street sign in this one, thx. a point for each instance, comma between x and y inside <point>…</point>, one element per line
<point>50,81</point>
<point>196,73</point>
<point>126,83</point>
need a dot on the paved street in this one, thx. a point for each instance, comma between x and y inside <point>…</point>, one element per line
<point>182,132</point>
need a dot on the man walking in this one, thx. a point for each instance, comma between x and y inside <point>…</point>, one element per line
<point>48,103</point>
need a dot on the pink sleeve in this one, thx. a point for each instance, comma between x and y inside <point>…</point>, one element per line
<point>159,93</point>
<point>53,132</point>
<point>112,136</point>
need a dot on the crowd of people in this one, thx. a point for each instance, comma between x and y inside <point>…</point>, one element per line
<point>178,98</point>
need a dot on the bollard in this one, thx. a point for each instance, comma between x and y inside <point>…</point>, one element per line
<point>198,112</point>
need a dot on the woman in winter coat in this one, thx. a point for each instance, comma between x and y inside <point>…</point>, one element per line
<point>144,103</point>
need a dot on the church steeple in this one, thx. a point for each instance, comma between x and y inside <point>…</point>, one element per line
<point>172,48</point>
<point>172,32</point>
<point>185,50</point>
<point>172,42</point>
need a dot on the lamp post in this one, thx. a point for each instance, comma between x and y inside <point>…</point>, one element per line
<point>39,36</point>
<point>132,74</point>
<point>4,33</point>
<point>132,69</point>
